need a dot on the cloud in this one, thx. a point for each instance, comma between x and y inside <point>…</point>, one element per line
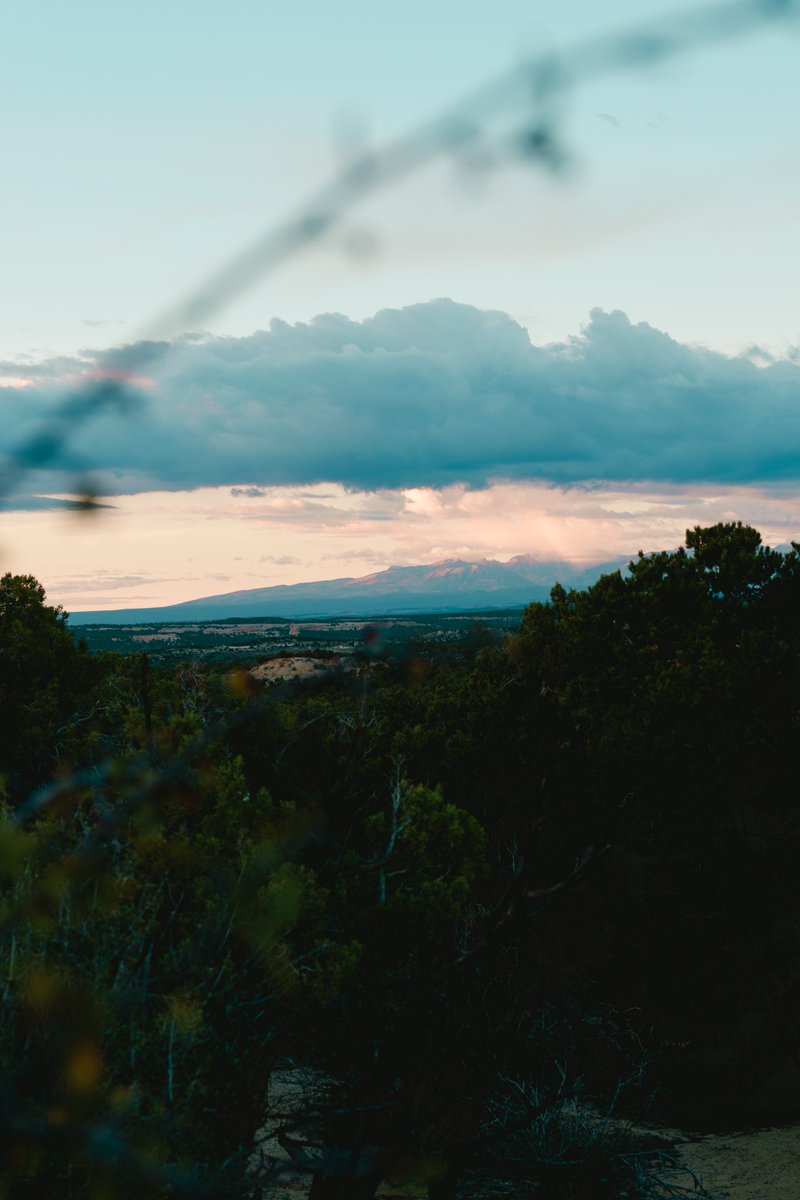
<point>104,581</point>
<point>252,492</point>
<point>375,558</point>
<point>431,395</point>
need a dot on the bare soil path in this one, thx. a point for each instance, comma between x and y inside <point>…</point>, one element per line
<point>759,1165</point>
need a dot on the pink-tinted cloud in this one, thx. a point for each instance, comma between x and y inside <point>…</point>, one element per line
<point>167,547</point>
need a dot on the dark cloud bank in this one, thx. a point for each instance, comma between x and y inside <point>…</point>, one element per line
<point>433,394</point>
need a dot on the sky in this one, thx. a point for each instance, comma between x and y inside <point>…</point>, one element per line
<point>575,355</point>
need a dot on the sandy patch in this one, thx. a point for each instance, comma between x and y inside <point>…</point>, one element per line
<point>753,1165</point>
<point>298,667</point>
<point>760,1165</point>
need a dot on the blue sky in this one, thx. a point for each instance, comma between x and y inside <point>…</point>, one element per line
<point>145,144</point>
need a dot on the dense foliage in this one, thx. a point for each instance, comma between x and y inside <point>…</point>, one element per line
<point>461,889</point>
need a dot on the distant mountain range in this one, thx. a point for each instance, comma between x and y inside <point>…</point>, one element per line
<point>452,586</point>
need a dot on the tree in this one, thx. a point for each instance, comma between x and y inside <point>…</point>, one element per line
<point>735,564</point>
<point>672,693</point>
<point>45,685</point>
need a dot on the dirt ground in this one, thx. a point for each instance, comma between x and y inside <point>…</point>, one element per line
<point>760,1165</point>
<point>296,667</point>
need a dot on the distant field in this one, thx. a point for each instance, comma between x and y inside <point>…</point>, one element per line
<point>258,639</point>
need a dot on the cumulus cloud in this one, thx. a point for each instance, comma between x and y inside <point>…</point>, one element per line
<point>430,395</point>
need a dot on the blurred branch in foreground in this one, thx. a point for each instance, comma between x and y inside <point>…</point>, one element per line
<point>513,112</point>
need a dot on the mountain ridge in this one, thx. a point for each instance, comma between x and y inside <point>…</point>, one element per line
<point>451,584</point>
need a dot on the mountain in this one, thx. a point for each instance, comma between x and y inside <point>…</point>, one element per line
<point>452,585</point>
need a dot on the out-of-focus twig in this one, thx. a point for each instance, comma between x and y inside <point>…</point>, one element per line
<point>523,96</point>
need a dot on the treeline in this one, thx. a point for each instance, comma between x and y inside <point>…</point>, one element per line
<point>480,893</point>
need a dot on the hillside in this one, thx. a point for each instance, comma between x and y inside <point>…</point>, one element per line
<point>451,585</point>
